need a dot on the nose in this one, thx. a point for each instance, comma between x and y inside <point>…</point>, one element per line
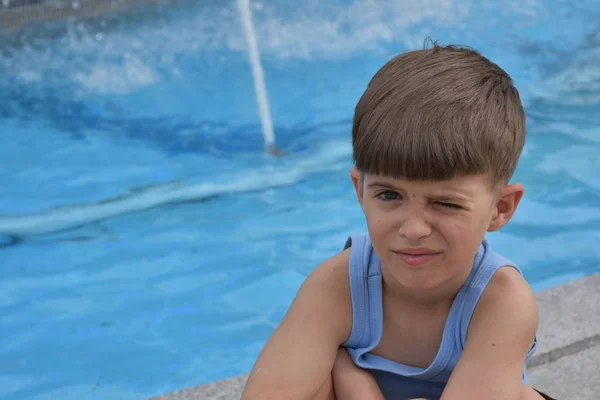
<point>414,227</point>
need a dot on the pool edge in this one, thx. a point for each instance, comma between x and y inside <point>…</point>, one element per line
<point>17,17</point>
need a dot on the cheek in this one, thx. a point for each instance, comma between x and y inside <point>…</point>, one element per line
<point>459,230</point>
<point>464,235</point>
<point>378,219</point>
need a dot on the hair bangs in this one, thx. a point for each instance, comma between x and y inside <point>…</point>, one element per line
<point>418,145</point>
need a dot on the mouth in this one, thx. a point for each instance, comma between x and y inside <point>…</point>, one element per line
<point>417,257</point>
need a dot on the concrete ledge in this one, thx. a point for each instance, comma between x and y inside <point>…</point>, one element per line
<point>565,366</point>
<point>228,389</point>
<point>19,13</point>
<point>575,347</point>
<point>569,319</point>
<point>571,377</point>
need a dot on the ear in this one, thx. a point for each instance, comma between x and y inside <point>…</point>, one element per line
<point>357,181</point>
<point>507,200</point>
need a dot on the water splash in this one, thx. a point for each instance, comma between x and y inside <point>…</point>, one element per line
<point>260,87</point>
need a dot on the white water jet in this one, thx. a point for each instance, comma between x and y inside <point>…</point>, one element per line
<point>259,79</point>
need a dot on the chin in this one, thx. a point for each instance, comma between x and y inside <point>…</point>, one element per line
<point>424,284</point>
<point>420,277</point>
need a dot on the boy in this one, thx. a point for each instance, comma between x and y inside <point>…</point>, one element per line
<point>420,307</point>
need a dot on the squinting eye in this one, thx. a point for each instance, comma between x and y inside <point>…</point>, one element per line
<point>388,195</point>
<point>450,205</point>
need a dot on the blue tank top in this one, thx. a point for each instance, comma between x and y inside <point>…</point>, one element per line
<point>398,381</point>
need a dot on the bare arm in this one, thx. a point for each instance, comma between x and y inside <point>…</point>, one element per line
<point>299,357</point>
<point>352,382</point>
<point>500,334</point>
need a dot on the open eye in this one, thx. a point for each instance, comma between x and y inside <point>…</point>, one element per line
<point>388,195</point>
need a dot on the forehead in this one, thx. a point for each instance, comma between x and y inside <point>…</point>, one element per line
<point>469,185</point>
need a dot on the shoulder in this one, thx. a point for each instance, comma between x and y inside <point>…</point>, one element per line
<point>508,300</point>
<point>327,291</point>
<point>507,288</point>
<point>300,354</point>
<point>332,274</point>
<point>500,335</point>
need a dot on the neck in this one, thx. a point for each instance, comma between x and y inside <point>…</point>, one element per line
<point>431,299</point>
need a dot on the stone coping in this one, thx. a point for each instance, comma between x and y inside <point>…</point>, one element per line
<point>570,377</point>
<point>22,12</point>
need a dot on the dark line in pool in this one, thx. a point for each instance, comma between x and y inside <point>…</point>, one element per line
<point>13,240</point>
<point>16,240</point>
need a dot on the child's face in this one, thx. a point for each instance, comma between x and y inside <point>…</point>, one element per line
<point>427,233</point>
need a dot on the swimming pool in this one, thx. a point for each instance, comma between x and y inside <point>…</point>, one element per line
<point>147,242</point>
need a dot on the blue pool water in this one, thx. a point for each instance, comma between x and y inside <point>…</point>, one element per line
<point>147,244</point>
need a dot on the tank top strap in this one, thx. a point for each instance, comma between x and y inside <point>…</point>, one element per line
<point>365,285</point>
<point>486,264</point>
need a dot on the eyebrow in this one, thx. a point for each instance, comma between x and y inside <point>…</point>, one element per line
<point>381,184</point>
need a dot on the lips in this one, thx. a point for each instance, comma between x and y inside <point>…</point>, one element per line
<point>416,257</point>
